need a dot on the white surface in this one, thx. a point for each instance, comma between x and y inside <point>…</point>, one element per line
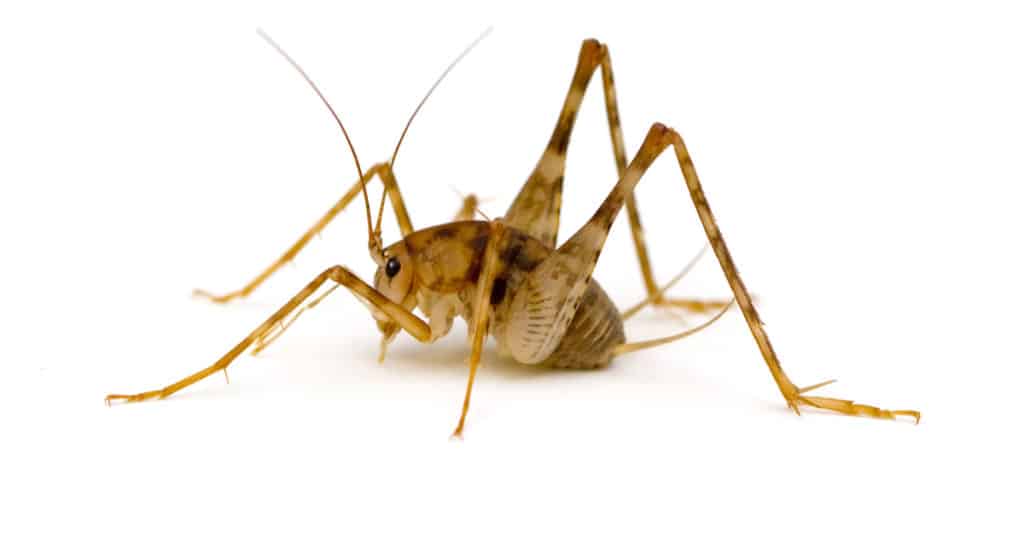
<point>864,165</point>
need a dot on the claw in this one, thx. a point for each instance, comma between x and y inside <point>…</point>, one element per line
<point>844,406</point>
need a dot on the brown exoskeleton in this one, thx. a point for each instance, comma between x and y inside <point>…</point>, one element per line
<point>507,278</point>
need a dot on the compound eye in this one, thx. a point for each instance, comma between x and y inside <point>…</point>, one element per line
<point>392,267</point>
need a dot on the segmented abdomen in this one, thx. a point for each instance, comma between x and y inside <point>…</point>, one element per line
<point>594,332</point>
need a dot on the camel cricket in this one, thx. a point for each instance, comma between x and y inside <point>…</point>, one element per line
<point>508,277</point>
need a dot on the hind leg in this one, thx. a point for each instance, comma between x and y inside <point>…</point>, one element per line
<point>794,396</point>
<point>537,207</point>
<point>588,241</point>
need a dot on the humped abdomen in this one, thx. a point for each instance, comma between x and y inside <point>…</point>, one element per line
<point>594,332</point>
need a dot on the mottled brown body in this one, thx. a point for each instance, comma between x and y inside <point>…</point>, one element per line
<point>510,278</point>
<point>594,333</point>
<point>447,261</point>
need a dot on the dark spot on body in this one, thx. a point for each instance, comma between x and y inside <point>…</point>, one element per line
<point>560,140</point>
<point>511,253</point>
<point>498,291</point>
<point>521,254</point>
<point>473,273</point>
<point>446,232</point>
<point>608,210</point>
<point>479,244</point>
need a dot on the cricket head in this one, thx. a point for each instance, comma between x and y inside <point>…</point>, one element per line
<point>395,280</point>
<point>395,274</point>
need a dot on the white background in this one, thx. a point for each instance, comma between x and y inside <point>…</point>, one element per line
<point>863,162</point>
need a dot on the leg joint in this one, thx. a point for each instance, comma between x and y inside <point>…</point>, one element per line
<point>340,274</point>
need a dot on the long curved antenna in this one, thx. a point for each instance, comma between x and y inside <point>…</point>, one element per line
<point>351,148</point>
<point>451,66</point>
<point>380,213</point>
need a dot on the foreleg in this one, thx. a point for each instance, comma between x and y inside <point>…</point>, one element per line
<point>407,320</point>
<point>401,214</point>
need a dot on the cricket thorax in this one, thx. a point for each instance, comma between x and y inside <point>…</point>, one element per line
<point>448,262</point>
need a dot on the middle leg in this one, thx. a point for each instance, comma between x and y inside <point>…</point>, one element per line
<point>481,310</point>
<point>696,306</point>
<point>470,204</point>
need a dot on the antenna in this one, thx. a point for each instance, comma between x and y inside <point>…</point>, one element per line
<point>351,148</point>
<point>451,66</point>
